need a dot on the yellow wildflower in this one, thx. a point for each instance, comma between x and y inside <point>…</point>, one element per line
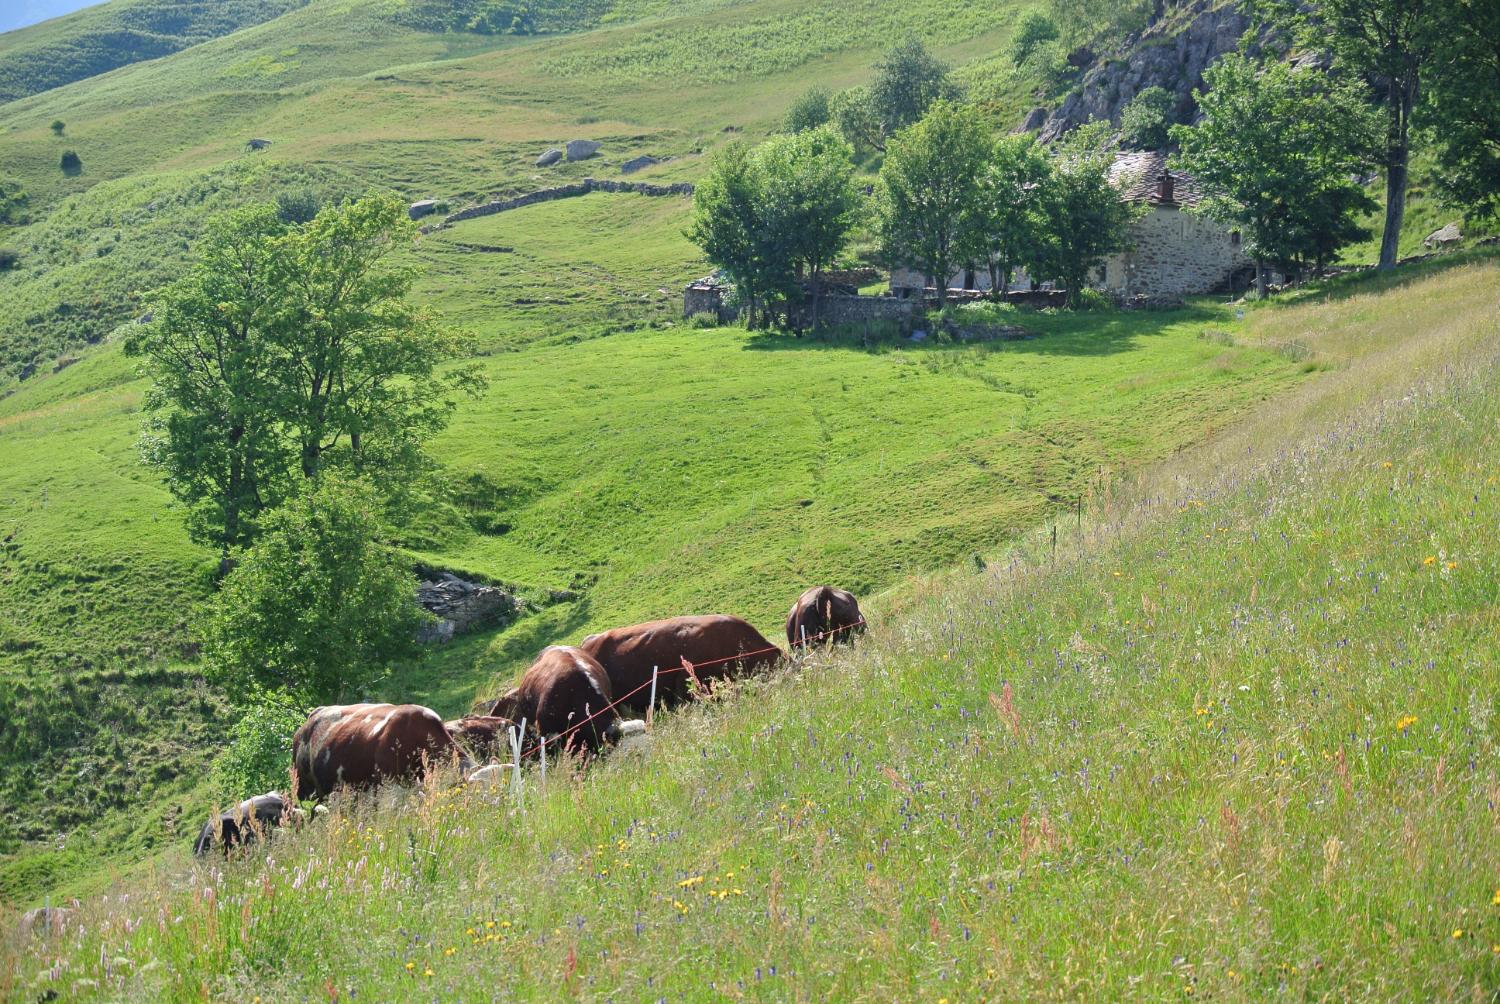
<point>428,972</point>
<point>410,966</point>
<point>1406,722</point>
<point>1458,932</point>
<point>690,882</point>
<point>1429,560</point>
<point>1496,900</point>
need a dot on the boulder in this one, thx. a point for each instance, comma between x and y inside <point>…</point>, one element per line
<point>426,207</point>
<point>462,606</point>
<point>1034,120</point>
<point>1446,237</point>
<point>638,164</point>
<point>582,149</point>
<point>552,156</point>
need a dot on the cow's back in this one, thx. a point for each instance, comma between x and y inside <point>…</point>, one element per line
<point>716,645</point>
<point>824,615</point>
<point>563,688</point>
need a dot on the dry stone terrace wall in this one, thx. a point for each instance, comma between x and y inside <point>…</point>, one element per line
<point>572,191</point>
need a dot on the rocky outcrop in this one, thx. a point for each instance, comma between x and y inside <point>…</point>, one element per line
<point>461,606</point>
<point>1168,54</point>
<point>424,207</point>
<point>1448,236</point>
<point>549,158</point>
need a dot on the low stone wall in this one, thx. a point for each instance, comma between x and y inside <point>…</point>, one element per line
<point>572,191</point>
<point>836,309</point>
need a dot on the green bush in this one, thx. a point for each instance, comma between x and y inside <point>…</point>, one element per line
<point>58,126</point>
<point>259,754</point>
<point>71,163</point>
<point>318,607</point>
<point>298,205</point>
<point>814,108</point>
<point>1034,28</point>
<point>1145,121</point>
<point>9,258</point>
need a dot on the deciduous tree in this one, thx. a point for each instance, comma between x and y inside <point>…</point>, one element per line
<point>1010,221</point>
<point>929,205</point>
<point>1084,218</point>
<point>1277,149</point>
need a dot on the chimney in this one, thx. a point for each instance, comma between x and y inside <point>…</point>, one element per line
<point>1164,188</point>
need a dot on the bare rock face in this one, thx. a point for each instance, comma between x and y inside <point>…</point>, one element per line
<point>549,158</point>
<point>425,207</point>
<point>582,149</point>
<point>1160,57</point>
<point>461,606</point>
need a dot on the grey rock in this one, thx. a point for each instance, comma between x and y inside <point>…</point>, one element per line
<point>582,149</point>
<point>552,156</point>
<point>461,606</point>
<point>425,207</point>
<point>1034,120</point>
<point>638,164</point>
<point>1445,237</point>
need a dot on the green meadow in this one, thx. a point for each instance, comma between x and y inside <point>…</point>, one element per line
<point>1232,736</point>
<point>622,464</point>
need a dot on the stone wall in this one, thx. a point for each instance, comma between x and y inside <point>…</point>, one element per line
<point>572,191</point>
<point>1175,254</point>
<point>837,308</point>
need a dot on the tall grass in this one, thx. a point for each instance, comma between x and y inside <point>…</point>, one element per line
<point>1238,740</point>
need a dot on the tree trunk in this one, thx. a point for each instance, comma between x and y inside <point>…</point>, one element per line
<point>817,285</point>
<point>1398,153</point>
<point>1260,277</point>
<point>997,291</point>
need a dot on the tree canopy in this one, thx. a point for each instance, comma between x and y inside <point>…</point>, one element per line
<point>1085,220</point>
<point>289,350</point>
<point>1278,149</point>
<point>929,210</point>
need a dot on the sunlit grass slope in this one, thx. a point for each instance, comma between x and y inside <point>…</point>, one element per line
<point>1237,740</point>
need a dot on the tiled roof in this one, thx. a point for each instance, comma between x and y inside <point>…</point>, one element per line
<point>1137,174</point>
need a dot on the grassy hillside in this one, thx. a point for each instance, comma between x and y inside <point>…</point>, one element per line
<point>100,39</point>
<point>1235,740</point>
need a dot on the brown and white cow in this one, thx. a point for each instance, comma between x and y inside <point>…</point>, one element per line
<point>245,823</point>
<point>482,737</point>
<point>364,745</point>
<point>717,645</point>
<point>564,688</point>
<point>824,616</point>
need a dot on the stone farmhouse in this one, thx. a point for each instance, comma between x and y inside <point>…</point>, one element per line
<point>1173,252</point>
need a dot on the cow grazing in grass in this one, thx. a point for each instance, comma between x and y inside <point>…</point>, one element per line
<point>482,737</point>
<point>717,645</point>
<point>824,616</point>
<point>558,693</point>
<point>245,823</point>
<point>364,745</point>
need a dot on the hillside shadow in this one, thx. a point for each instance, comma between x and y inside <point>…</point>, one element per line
<point>1094,333</point>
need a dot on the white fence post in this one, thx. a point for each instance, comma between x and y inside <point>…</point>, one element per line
<point>651,707</point>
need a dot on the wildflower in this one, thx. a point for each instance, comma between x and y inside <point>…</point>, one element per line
<point>1387,465</point>
<point>1429,560</point>
<point>688,883</point>
<point>449,951</point>
<point>410,966</point>
<point>1452,565</point>
<point>489,923</point>
<point>428,972</point>
<point>1406,722</point>
<point>1458,932</point>
<point>1496,900</point>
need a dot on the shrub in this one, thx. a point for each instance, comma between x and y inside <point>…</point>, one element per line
<point>9,258</point>
<point>318,608</point>
<point>57,127</point>
<point>12,198</point>
<point>703,319</point>
<point>1034,28</point>
<point>814,108</point>
<point>298,205</point>
<point>71,163</point>
<point>258,756</point>
<point>1145,121</point>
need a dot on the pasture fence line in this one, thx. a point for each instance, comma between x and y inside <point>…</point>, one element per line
<point>691,669</point>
